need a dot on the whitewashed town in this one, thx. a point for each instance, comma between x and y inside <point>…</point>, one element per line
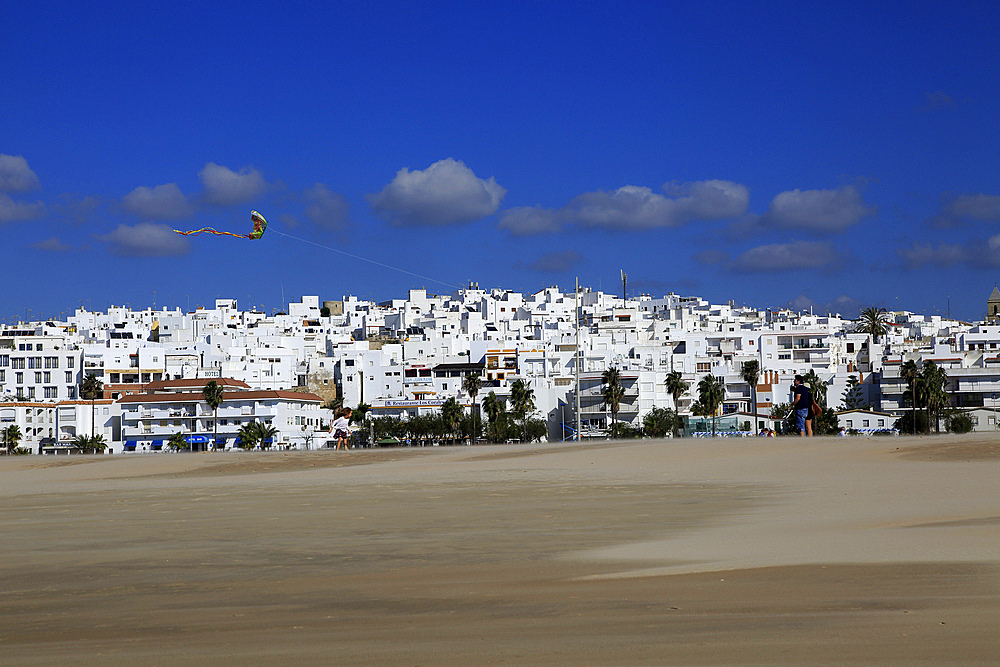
<point>135,380</point>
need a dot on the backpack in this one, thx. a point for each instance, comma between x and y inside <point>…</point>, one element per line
<point>815,410</point>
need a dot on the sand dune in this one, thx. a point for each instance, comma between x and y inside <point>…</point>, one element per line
<point>761,551</point>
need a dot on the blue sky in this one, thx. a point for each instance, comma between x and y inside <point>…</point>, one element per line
<point>832,155</point>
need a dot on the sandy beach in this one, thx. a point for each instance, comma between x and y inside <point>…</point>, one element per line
<point>705,552</point>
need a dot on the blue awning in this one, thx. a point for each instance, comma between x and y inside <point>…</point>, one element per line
<point>130,444</point>
<point>159,443</point>
<point>196,439</point>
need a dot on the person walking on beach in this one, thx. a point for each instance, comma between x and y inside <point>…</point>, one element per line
<point>801,402</point>
<point>341,427</point>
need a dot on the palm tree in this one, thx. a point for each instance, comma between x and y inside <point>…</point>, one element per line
<point>177,442</point>
<point>613,392</point>
<point>11,438</point>
<point>874,321</point>
<point>910,372</point>
<point>711,393</point>
<point>214,395</point>
<point>750,373</point>
<point>91,388</point>
<point>676,386</point>
<point>495,408</point>
<point>451,415</point>
<point>249,435</point>
<point>266,433</point>
<point>471,384</point>
<point>522,400</point>
<point>933,381</point>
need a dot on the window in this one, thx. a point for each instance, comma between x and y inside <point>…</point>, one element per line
<point>46,377</point>
<point>864,422</point>
<point>69,362</point>
<point>704,366</point>
<point>18,362</point>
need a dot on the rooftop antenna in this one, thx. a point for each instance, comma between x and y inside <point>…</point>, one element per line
<point>624,282</point>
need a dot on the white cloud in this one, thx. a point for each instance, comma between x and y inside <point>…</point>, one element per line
<point>225,187</point>
<point>445,193</point>
<point>809,255</point>
<point>822,211</point>
<point>922,254</point>
<point>557,262</point>
<point>628,207</point>
<point>634,207</point>
<point>326,208</point>
<point>14,211</point>
<point>16,175</point>
<point>637,207</point>
<point>529,220</point>
<point>710,200</point>
<point>163,202</point>
<point>974,207</point>
<point>52,244</point>
<point>975,254</point>
<point>146,239</point>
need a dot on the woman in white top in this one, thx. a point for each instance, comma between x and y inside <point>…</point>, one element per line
<point>341,428</point>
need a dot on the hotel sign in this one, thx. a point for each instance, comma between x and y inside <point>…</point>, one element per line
<point>431,403</point>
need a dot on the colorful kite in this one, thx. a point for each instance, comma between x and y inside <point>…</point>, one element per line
<point>259,225</point>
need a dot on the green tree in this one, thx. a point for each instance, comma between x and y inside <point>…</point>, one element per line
<point>249,435</point>
<point>451,416</point>
<point>750,373</point>
<point>91,389</point>
<point>496,414</point>
<point>910,372</point>
<point>874,321</point>
<point>266,433</point>
<point>852,397</point>
<point>11,438</point>
<point>359,413</point>
<point>676,386</point>
<point>178,442</point>
<point>536,429</point>
<point>214,395</point>
<point>658,422</point>
<point>612,392</point>
<point>960,423</point>
<point>471,384</point>
<point>934,381</point>
<point>522,402</point>
<point>90,444</point>
<point>711,393</point>
<point>783,411</point>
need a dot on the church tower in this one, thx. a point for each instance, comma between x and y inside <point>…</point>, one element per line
<point>993,307</point>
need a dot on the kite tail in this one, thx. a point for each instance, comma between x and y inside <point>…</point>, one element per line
<point>195,232</point>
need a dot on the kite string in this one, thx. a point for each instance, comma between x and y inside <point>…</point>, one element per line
<point>364,259</point>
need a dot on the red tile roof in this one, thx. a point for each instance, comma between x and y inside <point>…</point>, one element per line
<point>234,396</point>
